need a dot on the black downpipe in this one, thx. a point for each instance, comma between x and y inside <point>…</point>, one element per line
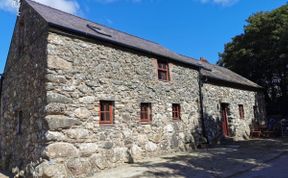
<point>200,83</point>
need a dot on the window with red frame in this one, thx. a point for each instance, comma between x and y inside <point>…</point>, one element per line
<point>106,112</point>
<point>241,111</point>
<point>145,112</point>
<point>176,111</point>
<point>163,71</point>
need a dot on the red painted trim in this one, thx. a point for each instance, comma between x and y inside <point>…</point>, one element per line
<point>164,70</point>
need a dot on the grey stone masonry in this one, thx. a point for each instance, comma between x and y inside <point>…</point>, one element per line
<point>23,92</point>
<point>55,80</point>
<point>239,128</point>
<point>80,74</point>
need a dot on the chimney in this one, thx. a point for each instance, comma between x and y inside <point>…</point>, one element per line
<point>203,60</point>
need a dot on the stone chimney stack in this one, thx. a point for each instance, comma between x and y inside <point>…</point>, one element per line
<point>204,60</point>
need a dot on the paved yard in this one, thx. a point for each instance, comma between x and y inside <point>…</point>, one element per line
<point>241,159</point>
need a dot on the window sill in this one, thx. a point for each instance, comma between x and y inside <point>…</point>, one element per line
<point>145,123</point>
<point>164,80</point>
<point>106,124</point>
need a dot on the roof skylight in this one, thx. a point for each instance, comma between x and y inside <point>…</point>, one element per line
<point>99,30</point>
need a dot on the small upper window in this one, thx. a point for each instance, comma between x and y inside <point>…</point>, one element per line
<point>145,112</point>
<point>106,112</point>
<point>19,117</point>
<point>176,111</point>
<point>241,111</point>
<point>163,71</point>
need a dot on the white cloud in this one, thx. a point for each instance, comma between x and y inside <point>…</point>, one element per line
<point>9,5</point>
<point>70,6</point>
<point>220,2</point>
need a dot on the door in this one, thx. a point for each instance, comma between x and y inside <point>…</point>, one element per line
<point>224,113</point>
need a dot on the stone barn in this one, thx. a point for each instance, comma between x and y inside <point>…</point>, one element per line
<point>78,97</point>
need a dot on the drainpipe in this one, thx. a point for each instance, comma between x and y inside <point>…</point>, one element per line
<point>200,83</point>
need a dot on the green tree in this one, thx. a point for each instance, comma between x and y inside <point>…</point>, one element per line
<point>260,53</point>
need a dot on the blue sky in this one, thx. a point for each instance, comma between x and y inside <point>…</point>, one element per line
<point>196,28</point>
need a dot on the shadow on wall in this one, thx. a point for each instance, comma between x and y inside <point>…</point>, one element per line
<point>23,102</point>
<point>213,128</point>
<point>260,108</point>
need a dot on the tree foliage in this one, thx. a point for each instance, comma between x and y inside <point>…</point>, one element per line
<point>261,55</point>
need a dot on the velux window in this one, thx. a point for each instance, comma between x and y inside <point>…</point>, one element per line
<point>241,111</point>
<point>176,111</point>
<point>163,71</point>
<point>106,112</point>
<point>145,112</point>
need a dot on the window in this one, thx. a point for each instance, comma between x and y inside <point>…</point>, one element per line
<point>19,117</point>
<point>163,71</point>
<point>241,111</point>
<point>99,30</point>
<point>145,112</point>
<point>106,112</point>
<point>176,111</point>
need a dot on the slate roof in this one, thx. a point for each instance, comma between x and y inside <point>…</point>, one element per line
<point>226,75</point>
<point>73,24</point>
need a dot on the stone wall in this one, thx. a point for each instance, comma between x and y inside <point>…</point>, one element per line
<point>57,81</point>
<point>214,95</point>
<point>80,73</point>
<point>24,90</point>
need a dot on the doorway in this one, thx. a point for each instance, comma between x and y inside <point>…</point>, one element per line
<point>224,114</point>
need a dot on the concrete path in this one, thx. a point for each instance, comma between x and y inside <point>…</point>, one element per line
<point>223,161</point>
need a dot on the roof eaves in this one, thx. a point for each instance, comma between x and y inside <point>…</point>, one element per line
<point>256,87</point>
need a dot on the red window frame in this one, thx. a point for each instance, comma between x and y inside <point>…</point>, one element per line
<point>176,111</point>
<point>106,112</point>
<point>241,111</point>
<point>163,71</point>
<point>145,112</point>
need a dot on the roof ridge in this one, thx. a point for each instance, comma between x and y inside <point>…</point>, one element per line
<point>183,55</point>
<point>97,23</point>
